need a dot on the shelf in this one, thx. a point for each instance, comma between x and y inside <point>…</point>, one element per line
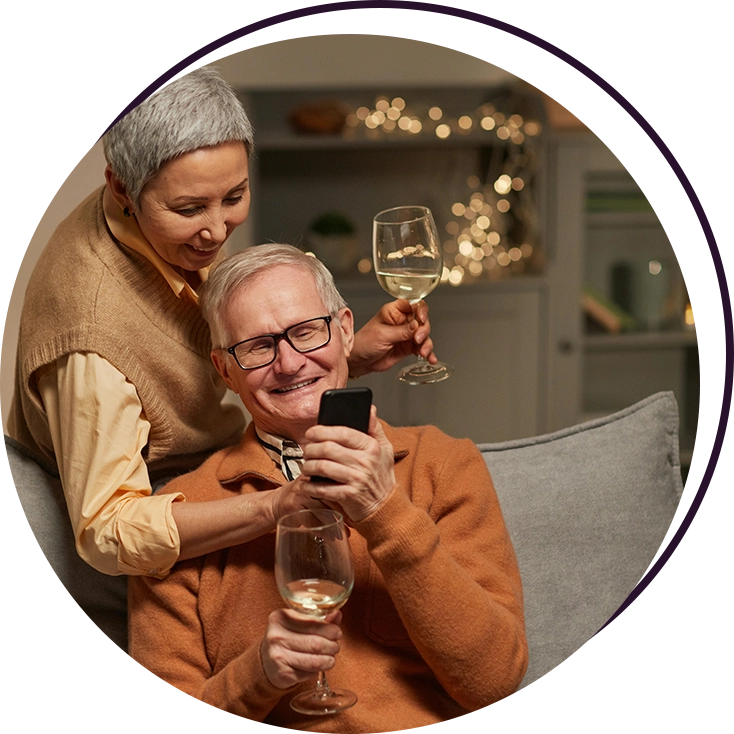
<point>622,219</point>
<point>639,341</point>
<point>272,113</point>
<point>367,285</point>
<point>360,141</point>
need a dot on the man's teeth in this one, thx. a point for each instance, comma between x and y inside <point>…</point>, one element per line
<point>204,249</point>
<point>294,387</point>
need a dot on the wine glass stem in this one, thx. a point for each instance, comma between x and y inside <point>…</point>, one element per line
<point>420,359</point>
<point>322,686</point>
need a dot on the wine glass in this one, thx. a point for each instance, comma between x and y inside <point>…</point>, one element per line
<point>315,574</point>
<point>408,263</point>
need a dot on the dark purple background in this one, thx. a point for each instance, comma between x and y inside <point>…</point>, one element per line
<point>654,87</point>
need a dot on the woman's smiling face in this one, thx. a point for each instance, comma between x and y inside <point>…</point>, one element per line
<point>190,208</point>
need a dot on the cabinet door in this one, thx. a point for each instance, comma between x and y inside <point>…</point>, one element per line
<point>564,346</point>
<point>491,337</point>
<point>604,237</point>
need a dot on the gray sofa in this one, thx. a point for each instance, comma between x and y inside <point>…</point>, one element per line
<point>586,507</point>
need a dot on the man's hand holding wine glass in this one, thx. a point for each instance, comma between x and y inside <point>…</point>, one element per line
<point>296,648</point>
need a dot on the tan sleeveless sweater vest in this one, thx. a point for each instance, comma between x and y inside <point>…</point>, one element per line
<point>88,293</point>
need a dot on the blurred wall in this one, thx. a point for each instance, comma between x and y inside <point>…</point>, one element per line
<point>317,62</point>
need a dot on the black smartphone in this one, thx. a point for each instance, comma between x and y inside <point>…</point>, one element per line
<point>349,406</point>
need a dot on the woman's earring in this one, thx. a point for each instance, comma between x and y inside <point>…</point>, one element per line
<point>126,211</point>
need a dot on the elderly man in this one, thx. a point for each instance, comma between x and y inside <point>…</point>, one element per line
<point>434,627</point>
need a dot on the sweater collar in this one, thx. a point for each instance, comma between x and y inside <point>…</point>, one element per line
<point>126,230</point>
<point>249,458</point>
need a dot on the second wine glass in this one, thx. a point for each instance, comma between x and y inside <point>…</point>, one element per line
<point>408,262</point>
<point>315,574</point>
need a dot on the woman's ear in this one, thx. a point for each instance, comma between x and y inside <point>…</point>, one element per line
<point>118,190</point>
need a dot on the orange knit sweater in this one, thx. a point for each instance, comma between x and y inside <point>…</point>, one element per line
<point>434,627</point>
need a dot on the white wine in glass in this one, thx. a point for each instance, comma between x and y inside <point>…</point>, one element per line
<point>408,263</point>
<point>315,574</point>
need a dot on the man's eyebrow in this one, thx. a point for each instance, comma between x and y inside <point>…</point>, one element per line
<point>194,199</point>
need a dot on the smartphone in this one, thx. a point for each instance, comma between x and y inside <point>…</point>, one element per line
<point>349,406</point>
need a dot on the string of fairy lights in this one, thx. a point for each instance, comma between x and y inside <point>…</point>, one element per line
<point>492,232</point>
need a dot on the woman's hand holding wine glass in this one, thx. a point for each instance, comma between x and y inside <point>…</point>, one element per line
<point>376,344</point>
<point>408,263</point>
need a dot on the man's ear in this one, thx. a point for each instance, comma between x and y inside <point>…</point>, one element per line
<point>221,363</point>
<point>346,323</point>
<point>117,189</point>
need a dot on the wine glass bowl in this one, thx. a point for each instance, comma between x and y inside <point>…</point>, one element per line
<point>406,252</point>
<point>408,263</point>
<point>314,572</point>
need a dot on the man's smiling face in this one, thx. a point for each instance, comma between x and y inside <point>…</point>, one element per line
<point>283,397</point>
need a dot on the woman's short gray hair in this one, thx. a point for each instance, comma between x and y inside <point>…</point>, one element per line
<point>232,274</point>
<point>196,111</point>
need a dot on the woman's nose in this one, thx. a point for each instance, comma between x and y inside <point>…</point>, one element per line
<point>215,229</point>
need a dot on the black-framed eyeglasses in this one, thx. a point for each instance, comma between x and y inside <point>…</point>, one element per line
<point>260,351</point>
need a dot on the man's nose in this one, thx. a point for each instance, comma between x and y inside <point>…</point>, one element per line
<point>288,360</point>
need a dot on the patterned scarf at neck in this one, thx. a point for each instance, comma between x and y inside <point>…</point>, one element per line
<point>287,454</point>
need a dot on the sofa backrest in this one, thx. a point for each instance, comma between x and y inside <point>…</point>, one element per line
<point>103,598</point>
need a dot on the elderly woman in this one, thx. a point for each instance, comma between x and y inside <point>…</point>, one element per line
<point>113,380</point>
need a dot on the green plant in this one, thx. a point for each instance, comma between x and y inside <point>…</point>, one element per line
<point>332,223</point>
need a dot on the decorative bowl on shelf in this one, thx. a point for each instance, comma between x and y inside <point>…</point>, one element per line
<point>319,118</point>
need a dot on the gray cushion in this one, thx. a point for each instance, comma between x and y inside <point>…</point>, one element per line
<point>103,598</point>
<point>587,508</point>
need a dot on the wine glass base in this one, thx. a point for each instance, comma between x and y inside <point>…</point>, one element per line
<point>316,703</point>
<point>424,373</point>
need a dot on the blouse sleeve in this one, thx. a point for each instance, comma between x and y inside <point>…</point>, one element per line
<point>99,431</point>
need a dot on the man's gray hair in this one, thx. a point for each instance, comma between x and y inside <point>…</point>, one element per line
<point>232,274</point>
<point>196,111</point>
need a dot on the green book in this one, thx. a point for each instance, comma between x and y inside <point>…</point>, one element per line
<point>605,312</point>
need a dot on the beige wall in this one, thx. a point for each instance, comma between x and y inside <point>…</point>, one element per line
<point>350,60</point>
<point>305,62</point>
<point>85,178</point>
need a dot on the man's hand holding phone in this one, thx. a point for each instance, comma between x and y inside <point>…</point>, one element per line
<point>358,464</point>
